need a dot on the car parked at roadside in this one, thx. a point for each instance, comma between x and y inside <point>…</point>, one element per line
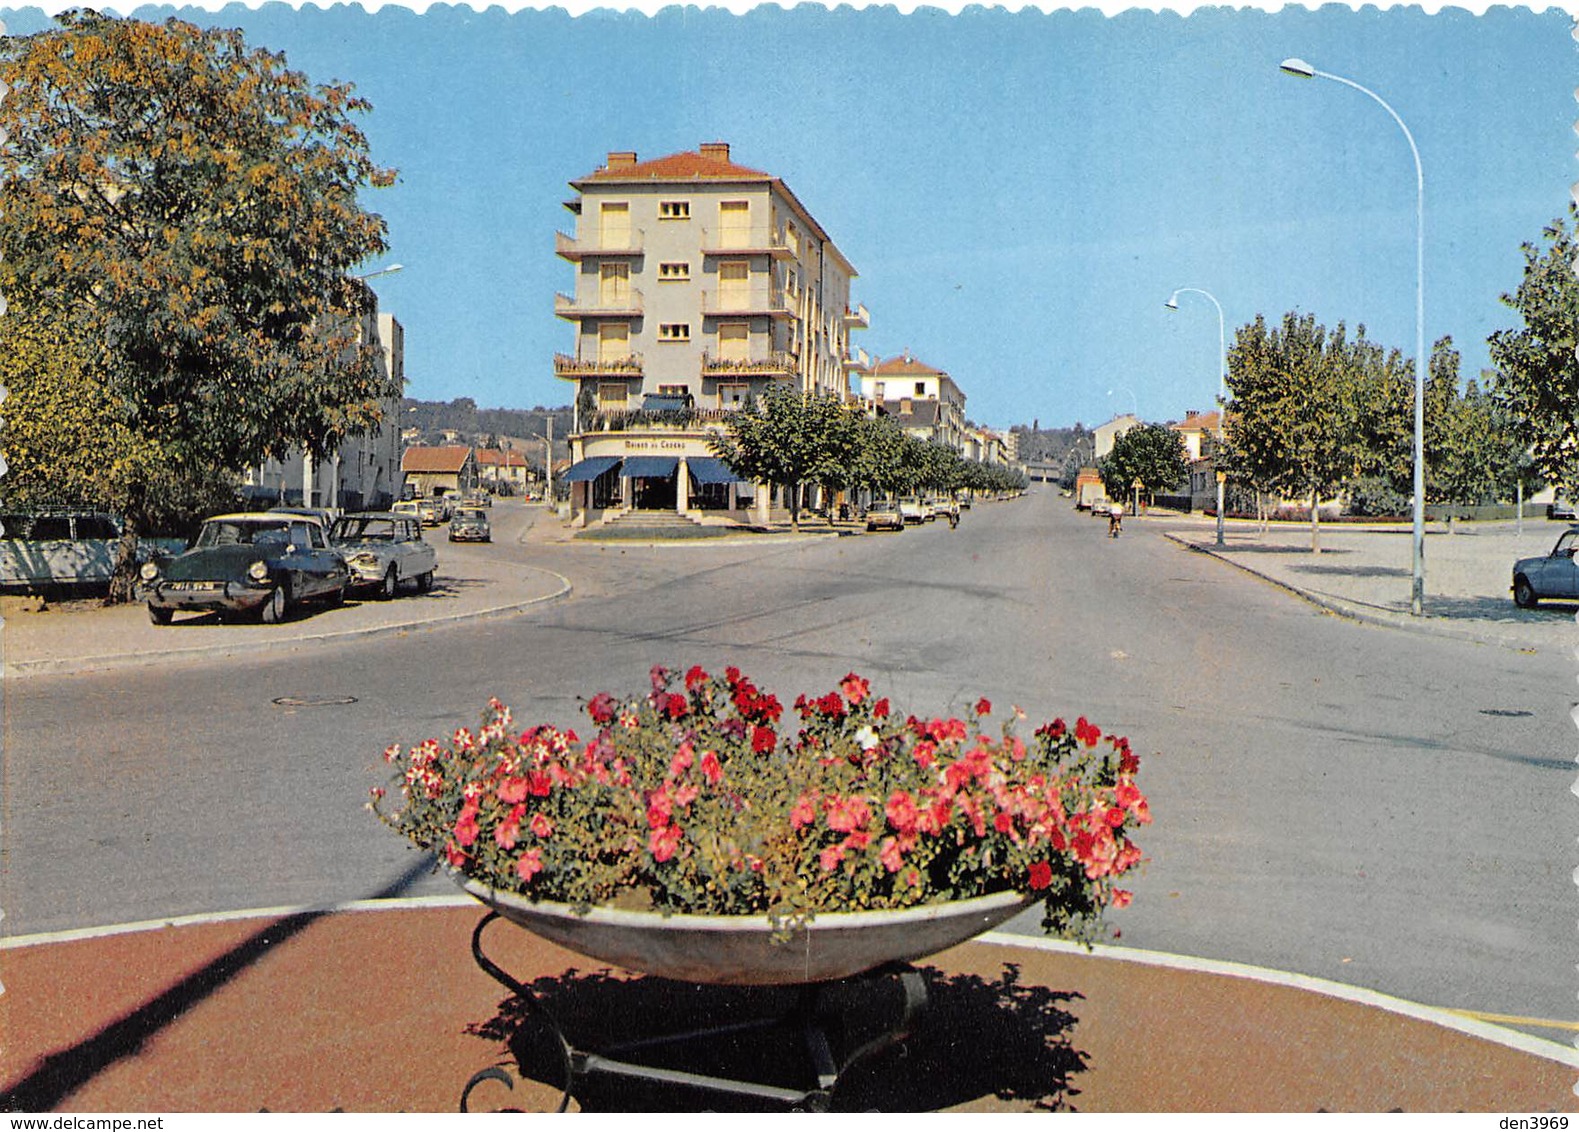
<point>884,515</point>
<point>1553,575</point>
<point>433,512</point>
<point>260,564</point>
<point>1561,509</point>
<point>383,549</point>
<point>911,510</point>
<point>470,524</point>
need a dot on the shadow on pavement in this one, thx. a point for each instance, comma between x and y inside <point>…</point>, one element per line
<point>62,1073</point>
<point>977,1039</point>
<point>1355,571</point>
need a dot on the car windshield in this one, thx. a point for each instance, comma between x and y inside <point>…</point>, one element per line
<point>235,532</point>
<point>363,530</point>
<point>469,516</point>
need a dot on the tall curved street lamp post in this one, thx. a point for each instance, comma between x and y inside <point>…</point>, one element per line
<point>1301,69</point>
<point>1222,389</point>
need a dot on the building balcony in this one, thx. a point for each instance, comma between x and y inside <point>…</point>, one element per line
<point>857,318</point>
<point>568,247</point>
<point>777,364</point>
<point>627,305</point>
<point>751,301</point>
<point>756,241</point>
<point>570,367</point>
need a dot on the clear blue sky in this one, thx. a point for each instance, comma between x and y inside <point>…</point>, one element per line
<point>1020,192</point>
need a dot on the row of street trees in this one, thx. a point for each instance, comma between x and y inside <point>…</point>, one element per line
<point>798,439</point>
<point>182,218</point>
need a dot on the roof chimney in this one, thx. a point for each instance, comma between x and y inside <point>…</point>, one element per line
<point>621,159</point>
<point>715,151</point>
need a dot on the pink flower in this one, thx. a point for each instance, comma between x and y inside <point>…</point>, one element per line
<point>466,825</point>
<point>830,857</point>
<point>1121,898</point>
<point>512,790</point>
<point>663,843</point>
<point>847,814</point>
<point>855,689</point>
<point>711,770</point>
<point>805,811</point>
<point>529,864</point>
<point>893,860</point>
<point>541,826</point>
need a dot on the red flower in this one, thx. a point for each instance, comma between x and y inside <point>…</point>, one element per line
<point>1041,876</point>
<point>855,689</point>
<point>763,740</point>
<point>880,708</point>
<point>984,706</point>
<point>1121,898</point>
<point>675,706</point>
<point>831,705</point>
<point>454,856</point>
<point>602,708</point>
<point>466,825</point>
<point>695,678</point>
<point>1087,733</point>
<point>1003,822</point>
<point>711,770</point>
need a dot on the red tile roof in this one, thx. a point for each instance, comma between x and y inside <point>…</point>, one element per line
<point>1206,422</point>
<point>905,365</point>
<point>446,458</point>
<point>494,457</point>
<point>686,166</point>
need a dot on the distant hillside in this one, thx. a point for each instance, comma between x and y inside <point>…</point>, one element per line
<point>1053,445</point>
<point>486,427</point>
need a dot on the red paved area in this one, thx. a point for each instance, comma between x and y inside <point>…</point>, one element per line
<point>385,1011</point>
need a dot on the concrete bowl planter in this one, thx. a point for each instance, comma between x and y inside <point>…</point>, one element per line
<point>742,950</point>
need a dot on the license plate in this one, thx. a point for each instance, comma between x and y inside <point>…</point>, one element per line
<point>194,587</point>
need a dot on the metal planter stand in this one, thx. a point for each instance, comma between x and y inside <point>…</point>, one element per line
<point>817,1004</point>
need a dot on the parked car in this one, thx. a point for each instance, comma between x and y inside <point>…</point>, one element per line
<point>383,549</point>
<point>260,564</point>
<point>944,509</point>
<point>1560,508</point>
<point>470,524</point>
<point>911,511</point>
<point>433,512</point>
<point>477,499</point>
<point>884,514</point>
<point>410,507</point>
<point>1554,575</point>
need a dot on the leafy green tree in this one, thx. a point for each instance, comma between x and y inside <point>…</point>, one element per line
<point>195,204</point>
<point>791,438</point>
<point>1154,454</point>
<point>1537,373</point>
<point>879,464</point>
<point>1310,410</point>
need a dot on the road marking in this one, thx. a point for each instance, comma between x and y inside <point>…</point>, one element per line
<point>1514,1019</point>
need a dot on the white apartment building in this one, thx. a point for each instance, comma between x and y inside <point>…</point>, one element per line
<point>922,399</point>
<point>698,283</point>
<point>364,472</point>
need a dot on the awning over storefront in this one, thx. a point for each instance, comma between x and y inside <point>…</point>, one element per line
<point>666,402</point>
<point>649,467</point>
<point>584,471</point>
<point>710,469</point>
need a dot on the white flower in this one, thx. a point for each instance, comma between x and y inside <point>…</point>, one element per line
<point>867,738</point>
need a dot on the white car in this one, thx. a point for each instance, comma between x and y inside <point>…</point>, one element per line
<point>384,549</point>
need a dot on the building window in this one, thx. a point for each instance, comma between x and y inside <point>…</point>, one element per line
<point>877,391</point>
<point>734,341</point>
<point>731,396</point>
<point>674,332</point>
<point>674,271</point>
<point>674,210</point>
<point>673,390</point>
<point>921,389</point>
<point>612,394</point>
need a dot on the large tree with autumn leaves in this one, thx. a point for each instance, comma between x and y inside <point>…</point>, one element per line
<point>188,210</point>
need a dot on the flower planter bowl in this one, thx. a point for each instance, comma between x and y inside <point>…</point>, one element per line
<point>741,950</point>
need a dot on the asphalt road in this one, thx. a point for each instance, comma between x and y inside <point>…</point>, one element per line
<point>1355,803</point>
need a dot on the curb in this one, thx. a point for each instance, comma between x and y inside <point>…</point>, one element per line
<point>70,665</point>
<point>1357,612</point>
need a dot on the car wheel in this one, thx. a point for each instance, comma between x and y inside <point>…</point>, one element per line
<point>1523,593</point>
<point>335,598</point>
<point>390,585</point>
<point>159,616</point>
<point>425,582</point>
<point>278,606</point>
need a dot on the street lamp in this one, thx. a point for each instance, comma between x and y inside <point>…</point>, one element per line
<point>390,270</point>
<point>1301,69</point>
<point>1133,402</point>
<point>1222,390</point>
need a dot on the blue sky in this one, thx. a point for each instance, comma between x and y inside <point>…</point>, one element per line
<point>1020,191</point>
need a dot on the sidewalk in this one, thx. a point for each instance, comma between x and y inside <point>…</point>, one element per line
<point>472,581</point>
<point>1365,574</point>
<point>384,1010</point>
